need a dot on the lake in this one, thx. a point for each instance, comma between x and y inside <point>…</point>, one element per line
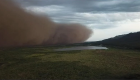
<point>81,48</point>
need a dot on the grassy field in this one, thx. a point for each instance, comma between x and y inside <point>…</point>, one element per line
<point>44,63</point>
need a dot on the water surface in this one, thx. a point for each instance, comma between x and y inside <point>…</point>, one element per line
<point>81,48</point>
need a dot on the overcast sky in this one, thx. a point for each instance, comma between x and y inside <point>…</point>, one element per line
<point>107,18</point>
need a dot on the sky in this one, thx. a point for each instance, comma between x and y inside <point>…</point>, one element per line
<point>107,18</point>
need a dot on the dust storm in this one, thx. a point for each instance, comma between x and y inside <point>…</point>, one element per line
<point>20,28</point>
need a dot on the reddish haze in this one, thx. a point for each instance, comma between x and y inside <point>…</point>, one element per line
<point>19,28</point>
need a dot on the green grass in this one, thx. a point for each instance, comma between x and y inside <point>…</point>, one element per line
<point>44,63</point>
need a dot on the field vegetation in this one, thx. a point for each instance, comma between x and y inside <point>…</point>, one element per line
<point>45,63</point>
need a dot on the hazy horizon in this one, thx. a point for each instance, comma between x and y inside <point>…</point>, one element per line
<point>107,18</point>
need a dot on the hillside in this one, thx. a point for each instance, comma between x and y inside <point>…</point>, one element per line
<point>131,40</point>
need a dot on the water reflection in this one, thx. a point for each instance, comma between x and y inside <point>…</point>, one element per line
<point>81,48</point>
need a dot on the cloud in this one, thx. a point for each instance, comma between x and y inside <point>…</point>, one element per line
<point>123,28</point>
<point>89,5</point>
<point>97,20</point>
<point>103,16</point>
